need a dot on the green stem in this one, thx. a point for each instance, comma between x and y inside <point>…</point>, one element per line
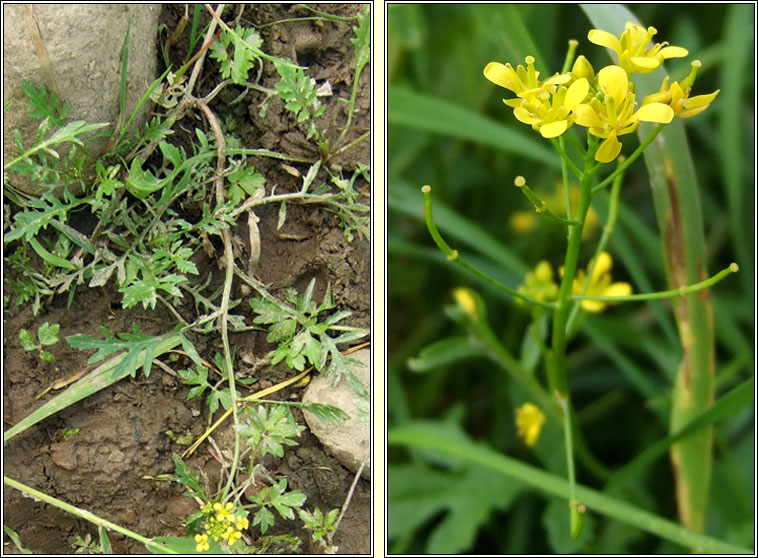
<point>633,157</point>
<point>88,516</point>
<point>565,160</point>
<point>607,230</point>
<point>454,256</point>
<point>540,205</point>
<point>556,361</point>
<point>681,291</point>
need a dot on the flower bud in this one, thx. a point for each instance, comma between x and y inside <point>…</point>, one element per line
<point>583,69</point>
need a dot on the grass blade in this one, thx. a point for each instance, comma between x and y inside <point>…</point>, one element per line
<point>100,378</point>
<point>677,203</point>
<point>424,112</point>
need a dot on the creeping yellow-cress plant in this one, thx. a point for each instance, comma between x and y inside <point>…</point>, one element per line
<point>603,102</point>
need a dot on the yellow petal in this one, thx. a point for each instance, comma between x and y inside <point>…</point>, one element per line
<point>608,150</point>
<point>525,116</point>
<point>701,100</point>
<point>614,81</point>
<point>587,117</point>
<point>661,97</point>
<point>553,129</point>
<point>618,289</point>
<point>677,93</point>
<point>593,305</point>
<point>672,52</point>
<point>603,266</point>
<point>576,93</point>
<point>690,112</point>
<point>603,38</point>
<point>557,79</point>
<point>655,112</point>
<point>645,63</point>
<point>501,75</point>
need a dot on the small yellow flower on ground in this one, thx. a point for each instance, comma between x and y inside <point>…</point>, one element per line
<point>529,423</point>
<point>223,512</point>
<point>631,48</point>
<point>599,284</point>
<point>202,543</point>
<point>231,536</point>
<point>241,523</point>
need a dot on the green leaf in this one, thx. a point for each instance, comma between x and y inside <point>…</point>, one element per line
<point>48,334</point>
<point>171,153</point>
<point>27,223</point>
<point>362,40</point>
<point>47,356</point>
<point>184,476</point>
<point>105,543</point>
<point>141,183</point>
<point>12,535</point>
<point>144,291</point>
<point>264,518</point>
<point>42,106</point>
<point>27,340</point>
<point>327,414</point>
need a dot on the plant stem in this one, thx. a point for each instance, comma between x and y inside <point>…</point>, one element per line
<point>84,514</point>
<point>633,157</point>
<point>556,358</point>
<point>454,256</point>
<point>607,230</point>
<point>229,275</point>
<point>681,291</point>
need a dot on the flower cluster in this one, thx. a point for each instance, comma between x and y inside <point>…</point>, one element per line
<point>221,524</point>
<point>603,102</point>
<point>547,106</point>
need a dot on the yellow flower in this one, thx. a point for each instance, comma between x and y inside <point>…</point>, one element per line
<point>610,113</point>
<point>241,523</point>
<point>231,536</point>
<point>631,48</point>
<point>546,106</point>
<point>539,283</point>
<point>677,95</point>
<point>202,543</point>
<point>599,284</point>
<point>223,513</point>
<point>529,422</point>
<point>520,80</point>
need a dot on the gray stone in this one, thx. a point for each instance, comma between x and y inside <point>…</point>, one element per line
<point>350,441</point>
<point>84,46</point>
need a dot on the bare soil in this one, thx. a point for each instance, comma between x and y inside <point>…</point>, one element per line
<point>122,430</point>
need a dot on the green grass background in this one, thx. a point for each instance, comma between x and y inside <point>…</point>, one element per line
<point>449,128</point>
